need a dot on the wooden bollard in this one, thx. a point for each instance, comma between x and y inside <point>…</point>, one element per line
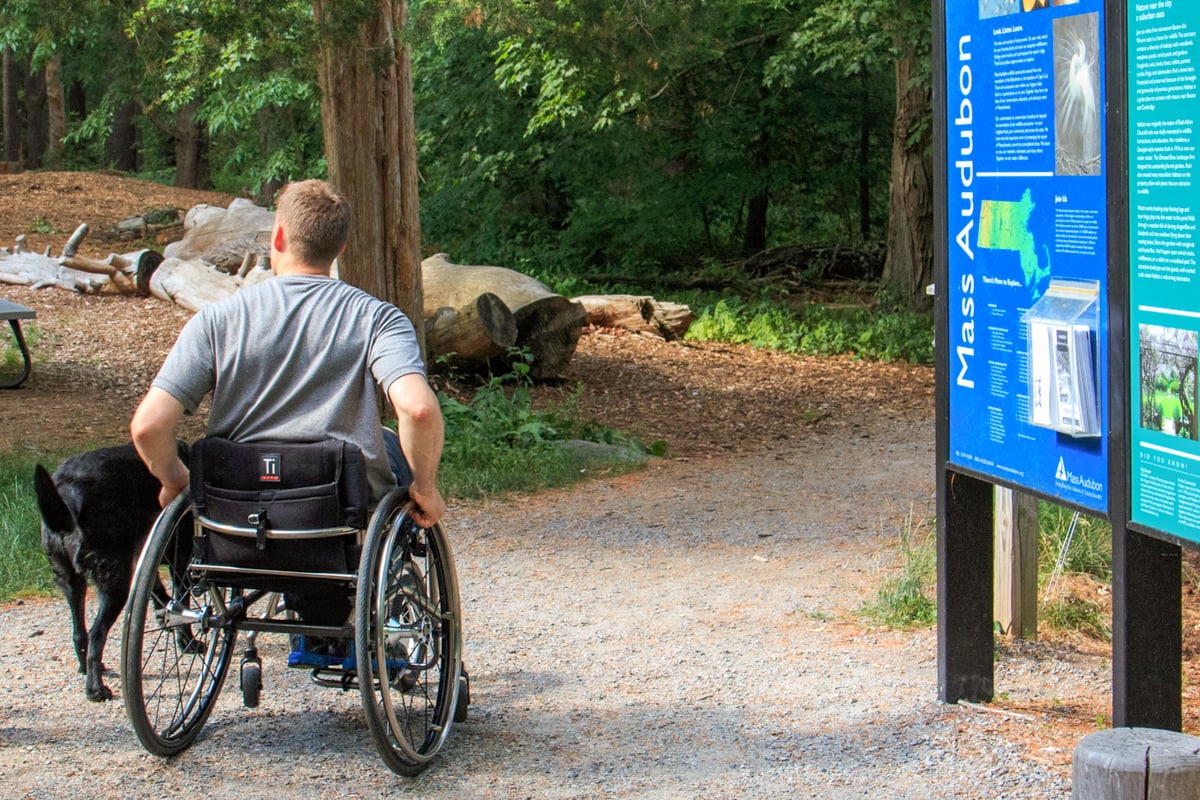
<point>1136,763</point>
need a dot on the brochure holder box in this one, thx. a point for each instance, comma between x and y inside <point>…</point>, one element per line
<point>1062,329</point>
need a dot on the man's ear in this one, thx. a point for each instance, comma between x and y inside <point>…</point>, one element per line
<point>277,238</point>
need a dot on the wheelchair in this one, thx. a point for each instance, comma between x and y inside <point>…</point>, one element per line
<point>211,569</point>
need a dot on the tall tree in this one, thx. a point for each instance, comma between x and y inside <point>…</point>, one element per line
<point>850,37</point>
<point>14,126</point>
<point>56,114</point>
<point>370,146</point>
<point>909,266</point>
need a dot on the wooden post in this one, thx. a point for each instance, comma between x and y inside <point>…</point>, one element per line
<point>1134,764</point>
<point>1015,521</point>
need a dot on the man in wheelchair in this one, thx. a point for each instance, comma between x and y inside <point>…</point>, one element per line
<point>297,359</point>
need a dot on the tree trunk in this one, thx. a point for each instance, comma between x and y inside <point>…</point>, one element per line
<point>864,157</point>
<point>370,150</point>
<point>191,151</point>
<point>755,238</point>
<point>909,265</point>
<point>36,127</point>
<point>121,147</point>
<point>637,313</point>
<point>13,128</point>
<point>471,336</point>
<point>56,113</point>
<point>77,101</point>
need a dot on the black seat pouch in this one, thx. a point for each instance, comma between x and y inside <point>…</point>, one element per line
<point>280,486</point>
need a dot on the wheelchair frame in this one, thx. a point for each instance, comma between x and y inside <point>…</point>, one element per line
<point>183,616</point>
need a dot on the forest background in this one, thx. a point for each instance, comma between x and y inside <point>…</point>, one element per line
<point>743,146</point>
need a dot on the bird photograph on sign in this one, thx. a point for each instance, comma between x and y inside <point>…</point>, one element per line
<point>1077,99</point>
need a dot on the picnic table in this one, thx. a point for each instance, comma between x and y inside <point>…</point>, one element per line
<point>14,313</point>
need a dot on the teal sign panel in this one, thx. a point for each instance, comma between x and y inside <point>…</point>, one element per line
<point>1164,289</point>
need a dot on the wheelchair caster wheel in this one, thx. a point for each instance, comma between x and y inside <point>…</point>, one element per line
<point>464,697</point>
<point>251,681</point>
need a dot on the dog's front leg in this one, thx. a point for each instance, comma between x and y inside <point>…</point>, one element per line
<point>74,589</point>
<point>111,603</point>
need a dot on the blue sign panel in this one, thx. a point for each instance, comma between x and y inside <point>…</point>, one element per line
<point>1027,241</point>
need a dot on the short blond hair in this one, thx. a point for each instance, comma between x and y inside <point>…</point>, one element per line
<point>315,218</point>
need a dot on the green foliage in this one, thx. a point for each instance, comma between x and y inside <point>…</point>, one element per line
<point>1072,546</point>
<point>881,334</point>
<point>11,360</point>
<point>1090,551</point>
<point>41,225</point>
<point>623,139</point>
<point>23,567</point>
<point>498,442</point>
<point>907,598</point>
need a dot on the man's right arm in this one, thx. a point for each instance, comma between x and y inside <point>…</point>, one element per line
<point>421,432</point>
<point>153,430</point>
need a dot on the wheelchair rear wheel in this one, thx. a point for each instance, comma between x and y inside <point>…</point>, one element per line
<point>172,663</point>
<point>408,637</point>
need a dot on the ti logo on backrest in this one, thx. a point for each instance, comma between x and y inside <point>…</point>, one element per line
<point>268,467</point>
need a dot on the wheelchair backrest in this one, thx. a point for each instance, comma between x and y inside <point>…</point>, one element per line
<point>280,486</point>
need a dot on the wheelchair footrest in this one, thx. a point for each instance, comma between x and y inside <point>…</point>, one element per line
<point>320,653</point>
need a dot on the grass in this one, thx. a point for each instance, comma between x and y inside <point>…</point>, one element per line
<point>907,597</point>
<point>497,443</point>
<point>23,568</point>
<point>1079,550</point>
<point>11,360</point>
<point>884,333</point>
<point>41,225</point>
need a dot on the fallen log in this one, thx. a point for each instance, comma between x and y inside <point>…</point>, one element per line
<point>222,237</point>
<point>548,324</point>
<point>192,284</point>
<point>638,313</point>
<point>40,271</point>
<point>472,336</point>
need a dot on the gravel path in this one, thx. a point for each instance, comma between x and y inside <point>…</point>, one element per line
<point>684,632</point>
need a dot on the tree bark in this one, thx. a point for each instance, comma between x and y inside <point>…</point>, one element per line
<point>548,324</point>
<point>909,265</point>
<point>13,127</point>
<point>370,150</point>
<point>191,151</point>
<point>36,127</point>
<point>638,313</point>
<point>864,156</point>
<point>471,336</point>
<point>121,147</point>
<point>56,113</point>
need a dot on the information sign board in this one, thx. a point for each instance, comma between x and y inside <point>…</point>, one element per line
<point>1027,211</point>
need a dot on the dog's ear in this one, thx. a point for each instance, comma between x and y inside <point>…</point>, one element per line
<point>55,513</point>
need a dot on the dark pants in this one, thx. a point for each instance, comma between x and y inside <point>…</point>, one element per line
<point>396,459</point>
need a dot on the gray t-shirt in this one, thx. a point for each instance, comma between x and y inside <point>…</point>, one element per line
<point>295,359</point>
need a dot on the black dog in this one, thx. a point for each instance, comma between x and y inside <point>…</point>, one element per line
<point>96,512</point>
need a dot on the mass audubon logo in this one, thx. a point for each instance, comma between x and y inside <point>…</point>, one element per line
<point>1063,475</point>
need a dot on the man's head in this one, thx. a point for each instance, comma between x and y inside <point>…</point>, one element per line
<point>314,219</point>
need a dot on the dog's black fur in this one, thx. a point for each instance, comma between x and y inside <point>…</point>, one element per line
<point>96,512</point>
